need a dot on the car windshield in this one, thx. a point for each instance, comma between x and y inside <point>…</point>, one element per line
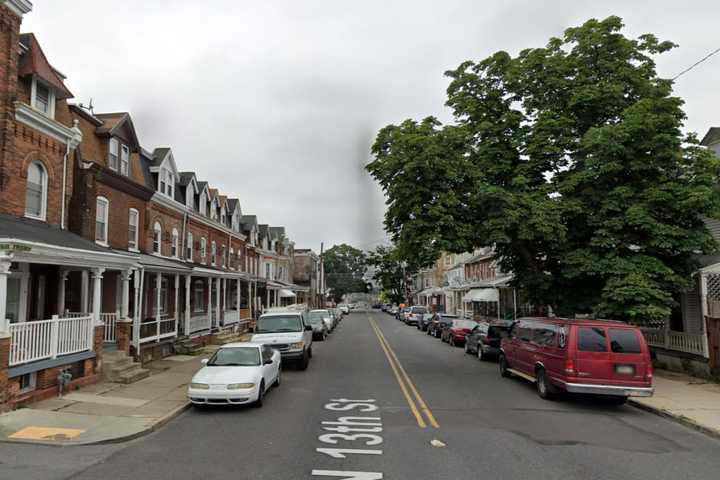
<point>235,356</point>
<point>464,324</point>
<point>317,317</point>
<point>419,310</point>
<point>497,331</point>
<point>279,323</point>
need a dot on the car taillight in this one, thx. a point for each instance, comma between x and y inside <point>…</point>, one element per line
<point>649,372</point>
<point>570,366</point>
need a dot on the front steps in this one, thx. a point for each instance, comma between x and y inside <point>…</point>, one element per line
<point>119,367</point>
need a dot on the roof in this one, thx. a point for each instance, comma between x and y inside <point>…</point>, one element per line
<point>111,122</point>
<point>34,62</point>
<point>248,219</point>
<point>233,203</point>
<point>145,162</point>
<point>263,229</point>
<point>186,178</point>
<point>711,137</point>
<point>159,155</point>
<point>36,231</point>
<point>213,192</point>
<point>202,185</point>
<point>154,262</point>
<point>276,232</point>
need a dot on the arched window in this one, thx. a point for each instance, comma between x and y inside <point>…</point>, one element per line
<point>102,214</point>
<point>36,191</point>
<point>157,238</point>
<point>189,248</point>
<point>203,250</point>
<point>175,241</point>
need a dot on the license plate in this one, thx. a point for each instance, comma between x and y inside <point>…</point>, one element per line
<point>624,369</point>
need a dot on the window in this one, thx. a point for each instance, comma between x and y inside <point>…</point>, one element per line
<point>113,154</point>
<point>133,221</point>
<point>267,270</point>
<point>190,196</point>
<point>27,382</point>
<point>36,191</point>
<point>591,340</point>
<point>203,204</point>
<point>203,250</point>
<point>42,98</point>
<point>213,253</point>
<point>231,259</point>
<point>223,256</point>
<point>189,247</point>
<point>199,296</point>
<point>157,238</point>
<point>175,241</point>
<point>543,334</point>
<point>125,160</point>
<point>170,184</point>
<point>624,341</point>
<point>102,210</point>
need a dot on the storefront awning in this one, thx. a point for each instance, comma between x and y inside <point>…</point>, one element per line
<point>482,295</point>
<point>286,294</point>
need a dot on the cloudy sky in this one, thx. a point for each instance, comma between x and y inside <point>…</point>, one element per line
<point>277,102</point>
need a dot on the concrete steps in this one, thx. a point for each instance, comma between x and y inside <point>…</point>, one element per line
<point>188,347</point>
<point>120,367</point>
<point>225,337</point>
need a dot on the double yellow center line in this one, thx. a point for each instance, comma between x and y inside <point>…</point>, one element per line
<point>406,385</point>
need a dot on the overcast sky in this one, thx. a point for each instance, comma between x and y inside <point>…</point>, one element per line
<point>277,102</point>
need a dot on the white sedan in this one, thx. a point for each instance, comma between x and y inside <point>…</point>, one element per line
<point>236,374</point>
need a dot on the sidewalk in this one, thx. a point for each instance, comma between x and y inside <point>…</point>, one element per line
<point>689,400</point>
<point>106,412</point>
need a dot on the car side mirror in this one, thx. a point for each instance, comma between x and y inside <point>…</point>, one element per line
<point>204,361</point>
<point>269,361</point>
<point>308,328</point>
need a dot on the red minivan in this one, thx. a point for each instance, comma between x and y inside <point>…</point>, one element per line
<point>601,357</point>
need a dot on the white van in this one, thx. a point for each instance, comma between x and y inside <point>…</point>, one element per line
<point>289,333</point>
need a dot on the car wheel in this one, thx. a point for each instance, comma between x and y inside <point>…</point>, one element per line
<point>261,395</point>
<point>545,389</point>
<point>310,353</point>
<point>502,363</point>
<point>305,361</point>
<point>467,347</point>
<point>324,337</point>
<point>451,341</point>
<point>277,379</point>
<point>480,353</point>
<point>428,331</point>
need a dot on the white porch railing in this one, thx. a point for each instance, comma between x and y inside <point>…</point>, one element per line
<point>158,329</point>
<point>678,341</point>
<point>199,323</point>
<point>46,339</point>
<point>231,317</point>
<point>109,320</point>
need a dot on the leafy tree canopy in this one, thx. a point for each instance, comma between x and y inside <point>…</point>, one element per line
<point>344,270</point>
<point>390,272</point>
<point>570,160</point>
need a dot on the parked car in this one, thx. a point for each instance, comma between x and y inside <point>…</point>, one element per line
<point>288,332</point>
<point>484,339</point>
<point>414,314</point>
<point>599,357</point>
<point>454,333</point>
<point>439,322</point>
<point>424,321</point>
<point>237,373</point>
<point>344,309</point>
<point>337,315</point>
<point>327,318</point>
<point>401,313</point>
<point>319,325</point>
<point>393,311</point>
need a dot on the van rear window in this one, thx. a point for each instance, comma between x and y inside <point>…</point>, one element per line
<point>591,339</point>
<point>624,341</point>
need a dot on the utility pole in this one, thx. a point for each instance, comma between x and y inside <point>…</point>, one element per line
<point>322,274</point>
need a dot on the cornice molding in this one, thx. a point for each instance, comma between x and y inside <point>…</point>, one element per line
<point>180,208</point>
<point>27,115</point>
<point>19,7</point>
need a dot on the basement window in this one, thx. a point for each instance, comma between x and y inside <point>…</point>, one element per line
<point>28,382</point>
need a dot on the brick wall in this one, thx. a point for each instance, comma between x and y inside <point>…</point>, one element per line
<point>9,31</point>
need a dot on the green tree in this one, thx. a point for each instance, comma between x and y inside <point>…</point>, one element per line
<point>573,166</point>
<point>344,270</point>
<point>390,272</point>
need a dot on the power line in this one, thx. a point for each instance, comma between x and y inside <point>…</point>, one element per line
<point>696,63</point>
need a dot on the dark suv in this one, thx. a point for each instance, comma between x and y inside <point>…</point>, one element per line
<point>438,322</point>
<point>484,340</point>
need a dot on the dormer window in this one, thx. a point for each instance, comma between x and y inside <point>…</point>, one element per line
<point>125,160</point>
<point>203,204</point>
<point>113,154</point>
<point>167,182</point>
<point>42,98</point>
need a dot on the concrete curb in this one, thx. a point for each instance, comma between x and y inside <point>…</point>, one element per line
<point>661,412</point>
<point>109,441</point>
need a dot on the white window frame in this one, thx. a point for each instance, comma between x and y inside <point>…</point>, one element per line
<point>43,195</point>
<point>157,238</point>
<point>223,256</point>
<point>51,97</point>
<point>190,196</point>
<point>189,247</point>
<point>133,242</point>
<point>203,250</point>
<point>124,160</point>
<point>203,204</point>
<point>106,220</point>
<point>114,151</point>
<point>213,253</point>
<point>231,257</point>
<point>175,243</point>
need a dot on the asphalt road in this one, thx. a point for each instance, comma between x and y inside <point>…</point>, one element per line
<point>490,427</point>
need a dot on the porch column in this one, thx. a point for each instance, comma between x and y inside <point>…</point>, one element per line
<point>277,298</point>
<point>209,300</point>
<point>224,294</point>
<point>250,298</point>
<point>97,294</point>
<point>188,283</point>
<point>62,278</point>
<point>237,291</point>
<point>158,298</point>
<point>139,284</point>
<point>703,309</point>
<point>267,295</point>
<point>5,262</point>
<point>217,301</point>
<point>177,301</point>
<point>84,290</point>
<point>125,294</point>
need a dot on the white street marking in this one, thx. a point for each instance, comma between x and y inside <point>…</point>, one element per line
<point>333,438</point>
<point>340,452</point>
<point>348,475</point>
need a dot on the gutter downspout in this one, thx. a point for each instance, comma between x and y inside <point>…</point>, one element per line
<point>184,237</point>
<point>71,144</point>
